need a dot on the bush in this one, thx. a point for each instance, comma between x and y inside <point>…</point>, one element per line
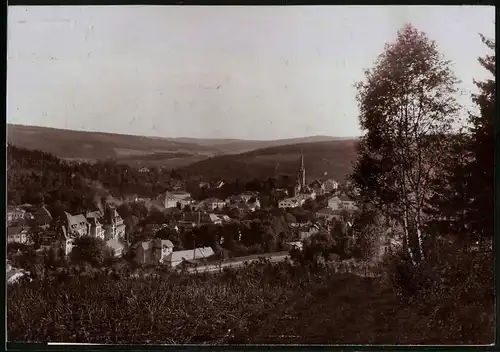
<point>455,294</point>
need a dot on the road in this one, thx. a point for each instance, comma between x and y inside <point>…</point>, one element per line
<point>238,262</point>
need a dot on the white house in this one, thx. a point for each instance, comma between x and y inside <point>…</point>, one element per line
<point>214,203</point>
<point>176,197</point>
<point>215,219</point>
<point>176,258</point>
<point>348,203</point>
<point>291,202</point>
<point>116,226</point>
<point>116,247</point>
<point>17,234</point>
<point>334,203</point>
<point>14,274</point>
<point>96,228</point>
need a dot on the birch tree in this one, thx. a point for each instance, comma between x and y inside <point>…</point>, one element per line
<point>407,105</point>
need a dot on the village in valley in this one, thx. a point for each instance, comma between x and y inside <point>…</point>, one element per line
<point>305,177</point>
<point>33,226</point>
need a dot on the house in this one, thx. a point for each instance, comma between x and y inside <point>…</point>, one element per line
<point>152,251</point>
<point>226,219</point>
<point>76,225</point>
<point>68,243</point>
<point>317,187</point>
<point>295,245</point>
<point>253,206</point>
<point>114,225</point>
<point>185,201</point>
<point>334,203</point>
<point>246,196</point>
<point>14,274</point>
<point>116,247</point>
<point>348,203</point>
<point>330,185</point>
<point>204,185</point>
<point>293,202</point>
<point>172,199</point>
<point>15,214</point>
<point>215,219</point>
<point>308,231</point>
<point>328,214</point>
<point>176,258</point>
<point>17,234</point>
<point>96,227</point>
<point>213,203</point>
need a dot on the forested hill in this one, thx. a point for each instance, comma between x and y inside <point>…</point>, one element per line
<point>332,159</point>
<point>32,173</point>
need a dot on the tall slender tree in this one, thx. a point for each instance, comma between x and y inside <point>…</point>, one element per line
<point>482,146</point>
<point>406,106</point>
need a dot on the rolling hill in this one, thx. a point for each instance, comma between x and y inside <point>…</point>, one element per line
<point>332,159</point>
<point>136,151</point>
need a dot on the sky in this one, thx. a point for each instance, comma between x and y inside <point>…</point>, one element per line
<point>216,72</point>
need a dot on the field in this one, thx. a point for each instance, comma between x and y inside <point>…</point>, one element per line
<point>257,304</point>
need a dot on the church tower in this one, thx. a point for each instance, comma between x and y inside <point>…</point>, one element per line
<point>301,176</point>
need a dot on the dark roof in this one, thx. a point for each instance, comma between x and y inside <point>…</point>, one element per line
<point>15,230</point>
<point>328,211</point>
<point>345,199</point>
<point>213,200</point>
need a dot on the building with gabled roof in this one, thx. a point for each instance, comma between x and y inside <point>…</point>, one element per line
<point>17,234</point>
<point>115,246</point>
<point>177,257</point>
<point>152,251</point>
<point>213,203</point>
<point>173,198</point>
<point>76,225</point>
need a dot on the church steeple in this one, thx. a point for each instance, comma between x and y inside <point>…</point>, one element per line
<point>301,175</point>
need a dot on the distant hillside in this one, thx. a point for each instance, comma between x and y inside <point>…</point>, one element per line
<point>135,150</point>
<point>91,146</point>
<point>333,158</point>
<point>236,146</point>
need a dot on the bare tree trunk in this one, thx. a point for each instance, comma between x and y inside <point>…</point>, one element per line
<point>419,236</point>
<point>406,237</point>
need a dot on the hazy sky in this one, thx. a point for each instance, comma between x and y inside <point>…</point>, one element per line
<point>217,72</point>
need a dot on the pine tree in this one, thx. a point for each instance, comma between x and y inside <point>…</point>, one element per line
<point>482,147</point>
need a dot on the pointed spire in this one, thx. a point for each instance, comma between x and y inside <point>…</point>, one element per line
<point>301,158</point>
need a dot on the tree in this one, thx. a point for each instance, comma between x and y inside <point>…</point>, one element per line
<point>90,250</point>
<point>406,106</point>
<point>482,147</point>
<point>449,206</point>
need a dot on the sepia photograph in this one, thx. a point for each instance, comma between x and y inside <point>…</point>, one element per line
<point>250,175</point>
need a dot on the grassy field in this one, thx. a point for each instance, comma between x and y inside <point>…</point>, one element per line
<point>260,303</point>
